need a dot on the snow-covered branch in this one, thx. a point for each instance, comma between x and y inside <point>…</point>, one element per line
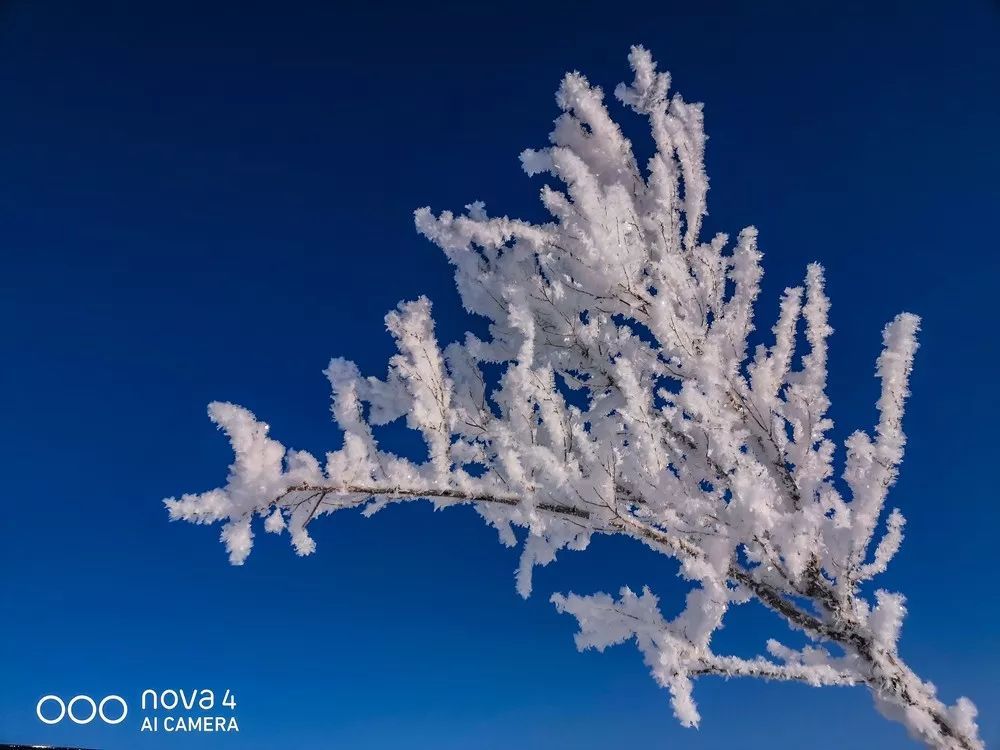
<point>633,397</point>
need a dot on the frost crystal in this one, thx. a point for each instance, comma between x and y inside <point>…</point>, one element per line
<point>628,404</point>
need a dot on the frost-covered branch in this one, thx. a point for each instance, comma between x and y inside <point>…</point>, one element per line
<point>622,389</point>
<point>678,650</point>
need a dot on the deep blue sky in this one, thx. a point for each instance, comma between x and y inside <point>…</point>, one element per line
<point>208,200</point>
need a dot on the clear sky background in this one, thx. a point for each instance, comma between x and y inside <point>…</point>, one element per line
<point>208,200</point>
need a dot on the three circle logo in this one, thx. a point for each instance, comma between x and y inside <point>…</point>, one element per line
<point>80,715</point>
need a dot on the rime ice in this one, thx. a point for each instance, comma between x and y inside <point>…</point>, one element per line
<point>629,403</point>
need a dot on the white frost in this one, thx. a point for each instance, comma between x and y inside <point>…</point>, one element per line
<point>633,398</point>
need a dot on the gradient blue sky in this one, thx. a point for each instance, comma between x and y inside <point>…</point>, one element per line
<point>207,200</point>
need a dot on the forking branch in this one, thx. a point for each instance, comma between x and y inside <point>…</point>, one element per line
<point>628,402</point>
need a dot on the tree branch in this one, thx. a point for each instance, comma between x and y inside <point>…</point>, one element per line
<point>732,666</point>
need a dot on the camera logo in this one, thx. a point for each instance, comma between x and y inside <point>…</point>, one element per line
<point>81,709</point>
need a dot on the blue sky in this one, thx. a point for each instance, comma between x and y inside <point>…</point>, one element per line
<point>207,203</point>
